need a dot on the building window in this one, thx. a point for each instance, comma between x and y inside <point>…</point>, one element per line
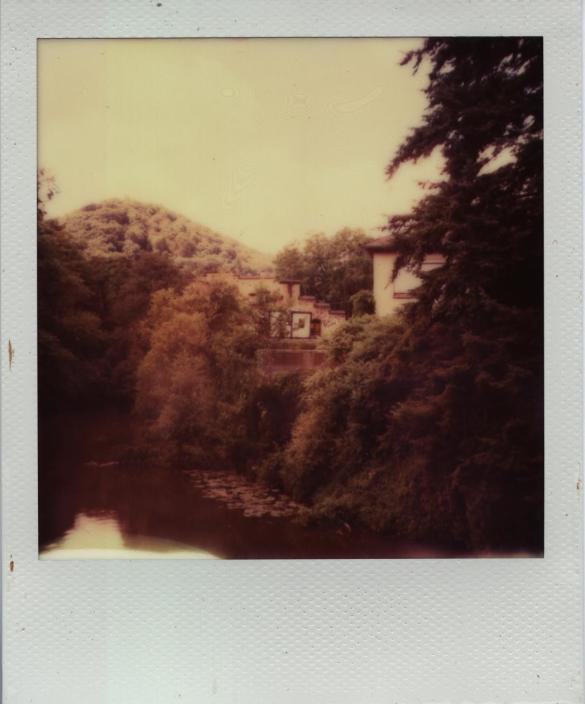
<point>315,327</point>
<point>300,324</point>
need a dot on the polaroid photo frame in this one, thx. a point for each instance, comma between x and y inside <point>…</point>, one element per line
<point>490,629</point>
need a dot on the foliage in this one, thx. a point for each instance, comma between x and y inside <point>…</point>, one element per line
<point>46,191</point>
<point>199,386</point>
<point>125,228</point>
<point>70,335</point>
<point>362,303</point>
<point>409,434</point>
<point>428,424</point>
<point>265,303</point>
<point>331,268</point>
<point>270,414</point>
<point>179,377</point>
<point>90,308</point>
<point>485,102</point>
<point>431,424</point>
<point>124,287</point>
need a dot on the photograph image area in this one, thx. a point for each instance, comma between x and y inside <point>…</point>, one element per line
<point>290,298</point>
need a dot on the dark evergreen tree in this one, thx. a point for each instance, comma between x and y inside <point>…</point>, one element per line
<point>431,423</point>
<point>485,101</point>
<point>485,114</point>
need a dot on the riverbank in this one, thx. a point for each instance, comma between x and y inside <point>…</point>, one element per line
<point>91,505</point>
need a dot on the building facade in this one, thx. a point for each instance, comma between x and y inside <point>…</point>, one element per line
<point>294,316</point>
<point>390,295</point>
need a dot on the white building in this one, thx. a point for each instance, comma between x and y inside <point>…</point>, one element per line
<point>390,295</point>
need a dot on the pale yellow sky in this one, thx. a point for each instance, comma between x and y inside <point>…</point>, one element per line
<point>265,140</point>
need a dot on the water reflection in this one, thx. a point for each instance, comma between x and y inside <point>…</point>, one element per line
<point>126,512</point>
<point>100,537</point>
<point>92,507</point>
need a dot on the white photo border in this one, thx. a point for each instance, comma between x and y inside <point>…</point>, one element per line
<point>261,632</point>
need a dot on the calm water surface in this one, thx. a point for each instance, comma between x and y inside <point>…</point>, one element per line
<point>90,507</point>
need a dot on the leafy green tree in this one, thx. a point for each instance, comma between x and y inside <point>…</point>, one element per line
<point>485,102</point>
<point>331,268</point>
<point>362,303</point>
<point>119,228</point>
<point>70,335</point>
<point>485,114</point>
<point>431,425</point>
<point>290,263</point>
<point>123,287</point>
<point>200,391</point>
<point>91,307</point>
<point>194,379</point>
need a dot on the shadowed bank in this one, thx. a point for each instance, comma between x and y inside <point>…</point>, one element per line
<point>101,508</point>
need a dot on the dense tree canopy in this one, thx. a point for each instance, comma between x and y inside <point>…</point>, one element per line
<point>485,115</point>
<point>431,424</point>
<point>70,332</point>
<point>119,228</point>
<point>98,269</point>
<point>199,386</point>
<point>427,424</point>
<point>331,268</point>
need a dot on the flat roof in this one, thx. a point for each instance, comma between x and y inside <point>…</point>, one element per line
<point>381,244</point>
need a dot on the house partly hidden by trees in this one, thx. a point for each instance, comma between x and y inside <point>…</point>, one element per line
<point>293,322</point>
<point>390,293</point>
<point>290,315</point>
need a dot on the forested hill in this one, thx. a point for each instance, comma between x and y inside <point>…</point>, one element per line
<point>124,227</point>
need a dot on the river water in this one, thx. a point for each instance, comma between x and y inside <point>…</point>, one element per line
<point>92,507</point>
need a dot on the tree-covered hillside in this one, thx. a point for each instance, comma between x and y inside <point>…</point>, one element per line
<point>125,227</point>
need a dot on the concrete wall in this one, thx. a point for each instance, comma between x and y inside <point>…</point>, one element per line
<point>275,361</point>
<point>330,319</point>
